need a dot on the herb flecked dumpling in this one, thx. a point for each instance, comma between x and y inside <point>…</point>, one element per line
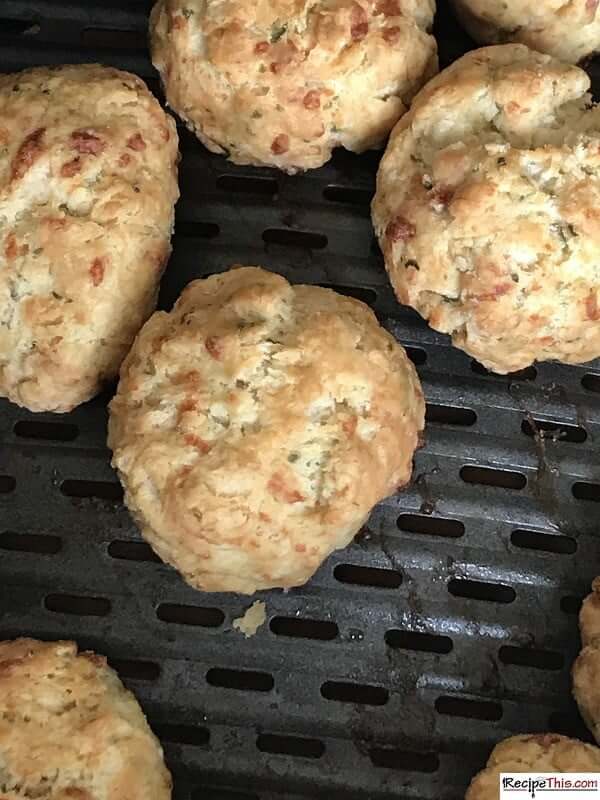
<point>88,184</point>
<point>487,208</point>
<point>257,424</point>
<point>283,82</point>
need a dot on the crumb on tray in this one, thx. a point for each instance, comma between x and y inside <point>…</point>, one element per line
<point>253,618</point>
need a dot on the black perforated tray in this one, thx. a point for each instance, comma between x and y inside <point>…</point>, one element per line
<point>449,624</point>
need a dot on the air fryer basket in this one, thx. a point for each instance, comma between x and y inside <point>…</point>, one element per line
<point>449,624</point>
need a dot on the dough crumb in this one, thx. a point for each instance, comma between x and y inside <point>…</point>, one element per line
<point>251,621</point>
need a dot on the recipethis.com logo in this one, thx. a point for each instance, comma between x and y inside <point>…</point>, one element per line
<point>562,785</point>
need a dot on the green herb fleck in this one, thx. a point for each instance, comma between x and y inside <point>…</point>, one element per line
<point>564,231</point>
<point>187,12</point>
<point>256,114</point>
<point>277,30</point>
<point>293,457</point>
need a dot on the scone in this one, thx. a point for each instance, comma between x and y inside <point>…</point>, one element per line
<point>486,208</point>
<point>69,730</point>
<point>586,669</point>
<point>283,82</point>
<point>88,183</point>
<point>542,753</point>
<point>567,30</point>
<point>257,424</point>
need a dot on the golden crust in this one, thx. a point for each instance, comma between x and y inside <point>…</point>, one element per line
<point>88,182</point>
<point>586,669</point>
<point>69,730</point>
<point>283,82</point>
<point>257,424</point>
<point>487,205</point>
<point>566,29</point>
<point>543,752</point>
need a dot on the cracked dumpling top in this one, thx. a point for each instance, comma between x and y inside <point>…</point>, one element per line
<point>69,730</point>
<point>283,82</point>
<point>566,29</point>
<point>88,182</point>
<point>542,752</point>
<point>586,669</point>
<point>487,208</point>
<point>257,424</point>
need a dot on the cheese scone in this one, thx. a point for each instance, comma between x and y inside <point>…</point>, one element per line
<point>283,82</point>
<point>257,424</point>
<point>540,753</point>
<point>69,730</point>
<point>88,183</point>
<point>486,208</point>
<point>586,669</point>
<point>565,29</point>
